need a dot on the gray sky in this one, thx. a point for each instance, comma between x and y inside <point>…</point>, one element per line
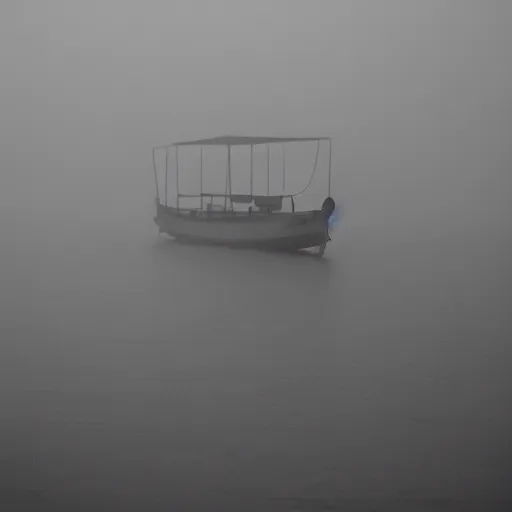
<point>416,94</point>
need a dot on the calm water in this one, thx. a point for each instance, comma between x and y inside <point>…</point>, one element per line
<point>138,374</point>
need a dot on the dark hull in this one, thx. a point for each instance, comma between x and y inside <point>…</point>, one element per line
<point>274,232</point>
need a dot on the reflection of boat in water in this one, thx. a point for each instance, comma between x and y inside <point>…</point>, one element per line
<point>244,220</point>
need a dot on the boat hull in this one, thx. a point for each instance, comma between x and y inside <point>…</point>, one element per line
<point>275,231</point>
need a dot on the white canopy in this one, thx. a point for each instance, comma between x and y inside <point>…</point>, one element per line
<point>237,140</point>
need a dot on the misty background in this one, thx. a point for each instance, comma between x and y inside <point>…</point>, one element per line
<point>138,373</point>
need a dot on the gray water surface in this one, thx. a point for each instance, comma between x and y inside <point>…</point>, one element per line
<point>138,373</point>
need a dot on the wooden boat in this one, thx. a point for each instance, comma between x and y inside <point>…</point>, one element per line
<point>244,220</point>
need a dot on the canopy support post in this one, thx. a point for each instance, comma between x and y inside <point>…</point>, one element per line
<point>201,178</point>
<point>268,170</point>
<point>156,178</point>
<point>252,168</point>
<point>166,173</point>
<point>226,190</point>
<point>177,179</point>
<point>330,159</point>
<point>229,176</point>
<point>283,161</point>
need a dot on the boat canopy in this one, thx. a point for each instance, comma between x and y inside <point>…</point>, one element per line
<point>237,140</point>
<point>270,202</point>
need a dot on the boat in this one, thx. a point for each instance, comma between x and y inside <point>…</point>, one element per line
<point>244,220</point>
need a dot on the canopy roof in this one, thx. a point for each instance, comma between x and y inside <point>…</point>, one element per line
<point>236,140</point>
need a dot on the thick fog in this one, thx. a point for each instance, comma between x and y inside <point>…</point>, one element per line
<point>417,97</point>
<point>415,94</point>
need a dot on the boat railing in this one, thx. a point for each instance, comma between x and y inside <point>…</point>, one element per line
<point>238,197</point>
<point>267,204</point>
<point>222,213</point>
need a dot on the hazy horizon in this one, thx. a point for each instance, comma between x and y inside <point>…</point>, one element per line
<point>382,372</point>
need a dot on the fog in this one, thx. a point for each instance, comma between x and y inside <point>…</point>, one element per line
<point>136,372</point>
